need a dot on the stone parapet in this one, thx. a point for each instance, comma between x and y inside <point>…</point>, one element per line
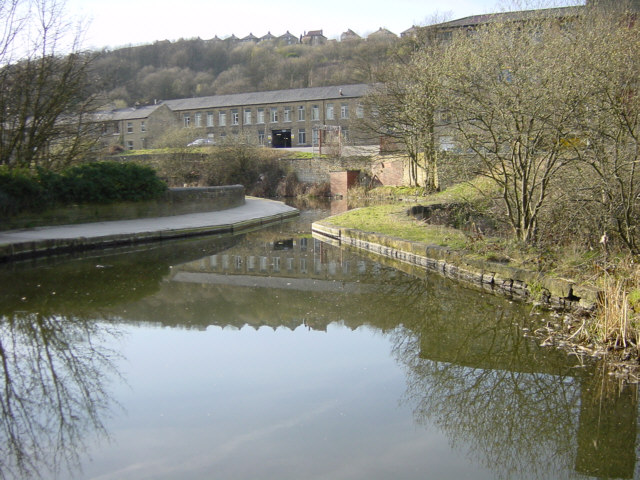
<point>492,276</point>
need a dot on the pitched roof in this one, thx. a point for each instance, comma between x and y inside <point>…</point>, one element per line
<point>382,32</point>
<point>349,35</point>
<point>131,113</point>
<point>271,97</point>
<point>475,20</point>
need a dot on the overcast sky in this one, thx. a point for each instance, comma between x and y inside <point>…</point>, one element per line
<point>115,23</point>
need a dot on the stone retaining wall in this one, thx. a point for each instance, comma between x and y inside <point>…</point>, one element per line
<point>496,277</point>
<point>176,201</point>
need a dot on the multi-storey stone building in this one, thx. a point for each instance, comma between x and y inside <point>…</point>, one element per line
<point>280,118</point>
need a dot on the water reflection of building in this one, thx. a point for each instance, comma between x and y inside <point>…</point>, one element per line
<point>295,258</point>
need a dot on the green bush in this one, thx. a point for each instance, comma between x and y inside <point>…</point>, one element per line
<point>19,190</point>
<point>101,182</point>
<point>106,182</point>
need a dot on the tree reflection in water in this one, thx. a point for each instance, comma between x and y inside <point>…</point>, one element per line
<point>518,410</point>
<point>54,393</point>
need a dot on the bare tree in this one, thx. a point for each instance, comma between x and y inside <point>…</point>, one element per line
<point>513,95</point>
<point>606,55</point>
<point>405,104</point>
<point>44,102</point>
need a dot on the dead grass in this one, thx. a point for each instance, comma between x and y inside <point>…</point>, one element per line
<point>616,323</point>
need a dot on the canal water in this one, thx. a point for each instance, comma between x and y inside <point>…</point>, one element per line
<point>273,355</point>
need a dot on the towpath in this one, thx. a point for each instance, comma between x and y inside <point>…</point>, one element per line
<point>64,238</point>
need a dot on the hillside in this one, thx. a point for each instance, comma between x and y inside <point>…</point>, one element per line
<point>194,67</point>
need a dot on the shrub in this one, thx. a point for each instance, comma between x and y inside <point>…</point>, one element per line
<point>19,191</point>
<point>105,182</point>
<point>101,182</point>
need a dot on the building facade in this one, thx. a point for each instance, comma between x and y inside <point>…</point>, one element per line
<point>132,128</point>
<point>302,117</point>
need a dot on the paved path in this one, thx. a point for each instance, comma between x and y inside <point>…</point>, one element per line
<point>55,239</point>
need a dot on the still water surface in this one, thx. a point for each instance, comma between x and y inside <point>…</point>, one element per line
<point>272,355</point>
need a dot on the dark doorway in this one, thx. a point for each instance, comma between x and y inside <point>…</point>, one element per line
<point>281,138</point>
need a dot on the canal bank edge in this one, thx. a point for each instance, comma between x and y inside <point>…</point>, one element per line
<point>496,277</point>
<point>17,250</point>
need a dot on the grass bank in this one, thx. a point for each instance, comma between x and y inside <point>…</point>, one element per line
<point>611,329</point>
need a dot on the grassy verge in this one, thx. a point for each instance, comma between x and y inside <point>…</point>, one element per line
<point>613,330</point>
<point>393,220</point>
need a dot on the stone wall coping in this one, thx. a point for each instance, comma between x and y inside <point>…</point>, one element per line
<point>498,277</point>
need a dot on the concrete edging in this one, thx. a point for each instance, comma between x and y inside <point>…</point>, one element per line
<point>495,277</point>
<point>40,248</point>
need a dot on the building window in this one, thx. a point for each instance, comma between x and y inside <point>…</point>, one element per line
<point>329,111</point>
<point>302,137</point>
<point>315,137</point>
<point>301,113</point>
<point>187,120</point>
<point>247,117</point>
<point>315,112</point>
<point>344,131</point>
<point>197,119</point>
<point>235,118</point>
<point>360,111</point>
<point>222,119</point>
<point>287,114</point>
<point>143,126</point>
<point>274,114</point>
<point>129,127</point>
<point>261,137</point>
<point>344,110</point>
<point>260,118</point>
<point>129,144</point>
<point>209,119</point>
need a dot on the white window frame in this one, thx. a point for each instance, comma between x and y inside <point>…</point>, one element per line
<point>287,114</point>
<point>186,119</point>
<point>197,119</point>
<point>260,116</point>
<point>330,111</point>
<point>302,113</point>
<point>222,118</point>
<point>360,111</point>
<point>344,111</point>
<point>143,126</point>
<point>273,114</point>
<point>129,127</point>
<point>315,113</point>
<point>247,116</point>
<point>302,136</point>
<point>209,119</point>
<point>235,117</point>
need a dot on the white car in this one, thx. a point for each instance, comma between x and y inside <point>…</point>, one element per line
<point>201,141</point>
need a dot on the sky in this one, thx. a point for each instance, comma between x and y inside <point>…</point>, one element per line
<point>116,23</point>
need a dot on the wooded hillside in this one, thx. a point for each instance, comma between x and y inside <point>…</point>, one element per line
<point>190,68</point>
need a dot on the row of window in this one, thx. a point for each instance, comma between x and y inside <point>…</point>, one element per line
<point>261,114</point>
<point>262,137</point>
<point>143,127</point>
<point>301,138</point>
